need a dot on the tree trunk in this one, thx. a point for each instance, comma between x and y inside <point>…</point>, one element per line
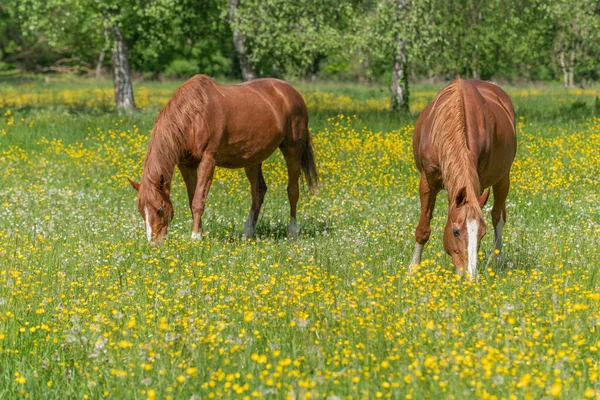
<point>475,22</point>
<point>399,100</point>
<point>121,74</point>
<point>475,67</point>
<point>240,43</point>
<point>563,67</point>
<point>572,70</point>
<point>100,64</point>
<point>102,54</point>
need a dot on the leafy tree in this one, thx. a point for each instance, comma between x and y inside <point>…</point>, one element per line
<point>399,34</point>
<point>239,42</point>
<point>286,38</point>
<point>384,40</point>
<point>198,40</point>
<point>94,25</point>
<point>11,43</point>
<point>577,34</point>
<point>487,37</point>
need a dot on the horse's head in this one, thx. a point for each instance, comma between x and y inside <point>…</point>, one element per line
<point>154,204</point>
<point>464,230</point>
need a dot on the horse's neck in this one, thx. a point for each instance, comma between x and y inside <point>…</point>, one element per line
<point>458,168</point>
<point>463,174</point>
<point>157,166</point>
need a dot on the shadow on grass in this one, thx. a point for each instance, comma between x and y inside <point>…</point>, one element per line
<point>266,230</point>
<point>519,258</point>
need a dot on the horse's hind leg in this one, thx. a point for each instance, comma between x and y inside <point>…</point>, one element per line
<point>499,209</point>
<point>428,195</point>
<point>292,153</point>
<point>258,187</point>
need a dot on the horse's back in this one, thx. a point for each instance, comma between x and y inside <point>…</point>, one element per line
<point>490,134</point>
<point>494,130</point>
<point>500,103</point>
<point>256,117</point>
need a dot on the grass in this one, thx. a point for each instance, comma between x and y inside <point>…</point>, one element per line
<point>89,310</point>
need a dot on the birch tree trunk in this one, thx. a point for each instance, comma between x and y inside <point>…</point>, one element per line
<point>563,67</point>
<point>475,21</point>
<point>572,69</point>
<point>121,73</point>
<point>239,43</point>
<point>475,67</point>
<point>399,100</point>
<point>100,64</point>
<point>102,54</point>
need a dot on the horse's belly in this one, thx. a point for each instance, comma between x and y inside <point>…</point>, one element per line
<point>246,153</point>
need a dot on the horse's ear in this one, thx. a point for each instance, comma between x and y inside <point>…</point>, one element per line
<point>461,197</point>
<point>135,185</point>
<point>484,198</point>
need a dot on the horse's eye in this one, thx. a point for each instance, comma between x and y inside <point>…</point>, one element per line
<point>160,212</point>
<point>456,232</point>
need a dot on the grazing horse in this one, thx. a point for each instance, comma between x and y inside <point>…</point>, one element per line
<point>464,141</point>
<point>239,126</point>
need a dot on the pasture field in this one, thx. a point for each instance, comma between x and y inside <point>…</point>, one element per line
<point>89,310</point>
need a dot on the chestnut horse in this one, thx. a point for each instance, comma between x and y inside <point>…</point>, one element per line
<point>206,125</point>
<point>464,141</point>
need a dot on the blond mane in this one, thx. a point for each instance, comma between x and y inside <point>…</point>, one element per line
<point>449,138</point>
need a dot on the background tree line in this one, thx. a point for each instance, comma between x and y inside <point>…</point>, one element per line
<point>385,41</point>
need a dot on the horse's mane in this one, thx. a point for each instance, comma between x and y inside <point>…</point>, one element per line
<point>448,131</point>
<point>183,114</point>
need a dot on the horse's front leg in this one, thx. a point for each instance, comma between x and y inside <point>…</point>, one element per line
<point>206,170</point>
<point>499,212</point>
<point>190,177</point>
<point>428,195</point>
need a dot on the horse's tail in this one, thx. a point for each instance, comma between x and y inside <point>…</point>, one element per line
<point>307,163</point>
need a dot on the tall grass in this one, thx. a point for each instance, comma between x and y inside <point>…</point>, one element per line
<point>89,310</point>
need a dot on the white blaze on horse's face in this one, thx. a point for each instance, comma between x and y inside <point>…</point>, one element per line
<point>148,226</point>
<point>472,239</point>
<point>462,235</point>
<point>156,220</point>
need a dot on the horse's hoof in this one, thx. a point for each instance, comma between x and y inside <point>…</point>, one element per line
<point>293,230</point>
<point>248,234</point>
<point>499,258</point>
<point>196,235</point>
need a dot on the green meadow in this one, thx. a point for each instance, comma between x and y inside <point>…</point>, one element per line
<point>89,310</point>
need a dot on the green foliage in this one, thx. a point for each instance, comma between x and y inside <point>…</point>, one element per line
<point>577,29</point>
<point>286,38</point>
<point>180,69</point>
<point>376,30</point>
<point>331,39</point>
